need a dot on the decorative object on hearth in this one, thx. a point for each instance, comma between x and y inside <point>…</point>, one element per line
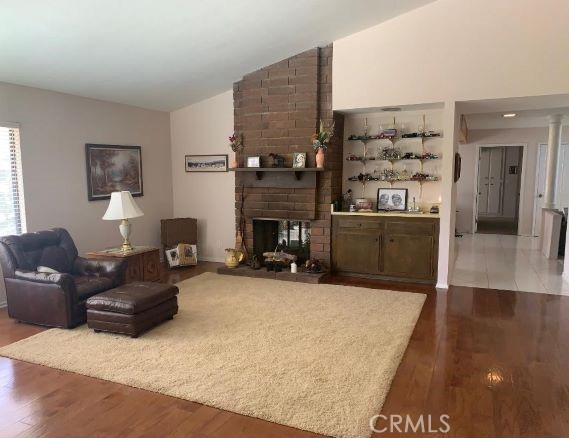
<point>278,259</point>
<point>274,265</point>
<point>254,161</point>
<point>293,268</point>
<point>233,257</point>
<point>112,168</point>
<point>299,160</point>
<point>391,199</point>
<point>183,254</point>
<point>320,142</point>
<point>255,262</point>
<point>278,255</point>
<point>122,207</point>
<point>313,266</point>
<point>278,160</point>
<point>242,224</point>
<point>206,163</point>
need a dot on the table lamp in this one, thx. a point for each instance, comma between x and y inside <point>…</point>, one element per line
<point>122,207</point>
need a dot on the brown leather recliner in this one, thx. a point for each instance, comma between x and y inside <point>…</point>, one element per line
<point>55,300</point>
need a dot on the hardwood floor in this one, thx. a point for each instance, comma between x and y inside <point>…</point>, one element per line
<point>494,361</point>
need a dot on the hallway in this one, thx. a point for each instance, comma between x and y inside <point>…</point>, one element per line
<point>506,262</point>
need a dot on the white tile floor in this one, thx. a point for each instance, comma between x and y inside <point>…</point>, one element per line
<point>506,262</point>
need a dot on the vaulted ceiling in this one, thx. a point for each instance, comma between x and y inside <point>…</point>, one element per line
<point>165,54</point>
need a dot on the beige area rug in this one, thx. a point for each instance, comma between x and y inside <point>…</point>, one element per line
<point>315,357</point>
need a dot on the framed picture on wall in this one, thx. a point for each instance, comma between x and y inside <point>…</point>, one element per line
<point>112,168</point>
<point>206,163</point>
<point>391,199</point>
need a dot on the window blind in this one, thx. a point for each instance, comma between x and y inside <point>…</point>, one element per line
<point>12,211</point>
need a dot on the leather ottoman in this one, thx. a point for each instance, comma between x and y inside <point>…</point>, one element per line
<point>133,308</point>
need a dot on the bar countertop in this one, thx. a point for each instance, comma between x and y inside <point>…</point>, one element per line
<point>385,214</point>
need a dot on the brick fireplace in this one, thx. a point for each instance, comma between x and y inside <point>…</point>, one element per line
<point>277,109</point>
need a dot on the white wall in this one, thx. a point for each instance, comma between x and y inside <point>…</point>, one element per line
<point>459,49</point>
<point>451,51</point>
<point>54,129</point>
<point>203,128</point>
<point>466,186</point>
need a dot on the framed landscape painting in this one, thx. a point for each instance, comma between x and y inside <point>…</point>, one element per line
<point>112,168</point>
<point>206,163</point>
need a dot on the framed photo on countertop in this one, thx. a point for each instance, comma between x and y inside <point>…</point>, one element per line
<point>391,199</point>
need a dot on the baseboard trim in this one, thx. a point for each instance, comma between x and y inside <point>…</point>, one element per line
<point>442,286</point>
<point>211,259</point>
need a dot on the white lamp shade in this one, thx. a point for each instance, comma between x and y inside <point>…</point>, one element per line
<point>122,206</point>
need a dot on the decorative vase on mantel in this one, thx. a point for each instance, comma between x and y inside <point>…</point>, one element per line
<point>320,158</point>
<point>320,142</point>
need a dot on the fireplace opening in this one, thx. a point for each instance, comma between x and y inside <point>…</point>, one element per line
<point>293,237</point>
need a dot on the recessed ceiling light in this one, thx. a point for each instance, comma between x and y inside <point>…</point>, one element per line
<point>391,108</point>
<point>508,115</point>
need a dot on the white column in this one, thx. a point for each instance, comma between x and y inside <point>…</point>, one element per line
<point>553,145</point>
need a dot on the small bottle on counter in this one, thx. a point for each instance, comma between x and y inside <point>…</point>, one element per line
<point>293,268</point>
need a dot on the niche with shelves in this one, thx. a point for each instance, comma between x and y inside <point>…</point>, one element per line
<point>402,149</point>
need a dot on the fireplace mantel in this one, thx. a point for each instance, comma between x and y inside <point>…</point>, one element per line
<point>284,177</point>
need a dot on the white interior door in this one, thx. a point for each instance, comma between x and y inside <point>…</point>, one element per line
<point>495,187</point>
<point>483,181</point>
<point>490,181</point>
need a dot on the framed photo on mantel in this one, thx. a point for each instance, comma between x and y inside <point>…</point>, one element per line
<point>112,168</point>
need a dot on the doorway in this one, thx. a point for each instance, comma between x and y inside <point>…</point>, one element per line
<point>498,189</point>
<point>562,183</point>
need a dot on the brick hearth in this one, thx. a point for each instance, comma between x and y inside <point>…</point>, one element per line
<point>277,109</point>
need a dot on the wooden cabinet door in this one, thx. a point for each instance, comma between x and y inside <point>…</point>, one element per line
<point>409,256</point>
<point>151,266</point>
<point>357,251</point>
<point>134,268</point>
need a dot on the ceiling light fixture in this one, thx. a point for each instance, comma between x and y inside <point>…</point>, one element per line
<point>508,115</point>
<point>391,108</point>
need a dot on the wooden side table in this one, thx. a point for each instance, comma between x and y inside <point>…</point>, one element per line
<point>143,262</point>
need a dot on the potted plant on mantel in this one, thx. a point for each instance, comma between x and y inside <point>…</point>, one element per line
<point>236,145</point>
<point>320,142</point>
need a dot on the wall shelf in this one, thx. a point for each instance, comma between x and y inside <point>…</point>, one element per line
<point>260,171</point>
<point>394,160</point>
